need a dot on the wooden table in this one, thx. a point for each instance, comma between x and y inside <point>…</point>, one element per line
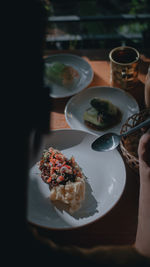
<point>118,227</point>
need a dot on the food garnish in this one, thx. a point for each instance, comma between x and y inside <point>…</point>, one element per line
<point>64,177</point>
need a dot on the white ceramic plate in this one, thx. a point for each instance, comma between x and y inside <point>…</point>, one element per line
<point>80,65</point>
<point>106,177</point>
<point>79,103</point>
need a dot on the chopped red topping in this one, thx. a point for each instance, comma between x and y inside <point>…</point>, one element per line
<point>57,169</point>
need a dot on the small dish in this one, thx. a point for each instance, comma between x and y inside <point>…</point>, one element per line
<point>80,65</point>
<point>79,103</point>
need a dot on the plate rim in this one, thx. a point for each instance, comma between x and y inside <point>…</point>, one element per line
<point>71,228</point>
<point>82,88</point>
<point>91,88</point>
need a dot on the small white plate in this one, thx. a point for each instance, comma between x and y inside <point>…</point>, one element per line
<point>106,177</point>
<point>76,106</point>
<point>80,65</point>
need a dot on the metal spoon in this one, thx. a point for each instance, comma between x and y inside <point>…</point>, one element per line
<point>110,141</point>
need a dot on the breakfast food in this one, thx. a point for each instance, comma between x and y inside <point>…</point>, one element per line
<point>102,114</point>
<point>61,74</point>
<point>64,177</point>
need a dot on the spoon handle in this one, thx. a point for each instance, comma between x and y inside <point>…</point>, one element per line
<point>132,130</point>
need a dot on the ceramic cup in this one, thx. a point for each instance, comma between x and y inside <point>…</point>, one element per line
<point>124,67</point>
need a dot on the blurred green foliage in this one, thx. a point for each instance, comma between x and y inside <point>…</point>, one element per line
<point>101,7</point>
<point>140,6</point>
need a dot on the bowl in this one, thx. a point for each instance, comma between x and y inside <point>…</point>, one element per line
<point>129,144</point>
